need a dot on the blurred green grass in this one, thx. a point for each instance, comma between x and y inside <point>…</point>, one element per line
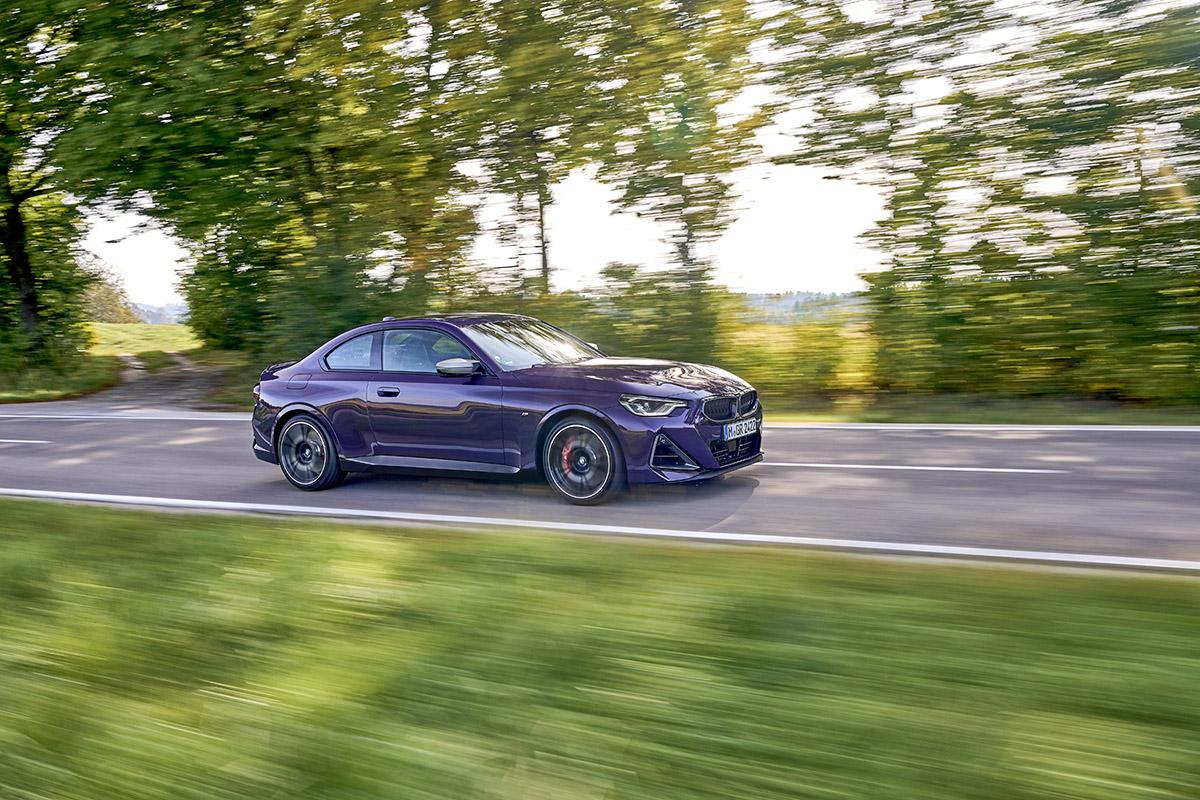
<point>92,374</point>
<point>150,344</point>
<point>147,655</point>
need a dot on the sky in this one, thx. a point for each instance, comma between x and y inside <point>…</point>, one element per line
<point>793,231</point>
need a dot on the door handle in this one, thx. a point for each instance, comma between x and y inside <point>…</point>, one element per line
<point>387,391</point>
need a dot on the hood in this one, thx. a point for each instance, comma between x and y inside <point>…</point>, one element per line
<point>648,375</point>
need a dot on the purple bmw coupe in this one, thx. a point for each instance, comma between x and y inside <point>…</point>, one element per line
<point>499,394</point>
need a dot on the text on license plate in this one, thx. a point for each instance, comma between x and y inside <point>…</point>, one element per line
<point>736,430</point>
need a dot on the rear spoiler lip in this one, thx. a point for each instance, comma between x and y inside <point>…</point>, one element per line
<point>271,370</point>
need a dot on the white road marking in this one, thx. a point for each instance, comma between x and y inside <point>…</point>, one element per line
<point>25,441</point>
<point>912,467</point>
<point>1077,559</point>
<point>222,416</point>
<point>971,426</point>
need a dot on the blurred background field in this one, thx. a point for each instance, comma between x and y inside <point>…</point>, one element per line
<point>168,656</point>
<point>147,343</point>
<point>98,366</point>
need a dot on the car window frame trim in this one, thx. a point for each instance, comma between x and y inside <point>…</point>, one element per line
<point>376,353</point>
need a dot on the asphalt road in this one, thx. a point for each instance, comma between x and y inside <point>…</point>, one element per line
<point>1104,492</point>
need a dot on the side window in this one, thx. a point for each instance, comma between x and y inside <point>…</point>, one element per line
<point>417,350</point>
<point>358,353</point>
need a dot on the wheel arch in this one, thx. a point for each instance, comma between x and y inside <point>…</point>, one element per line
<point>552,417</point>
<point>289,411</point>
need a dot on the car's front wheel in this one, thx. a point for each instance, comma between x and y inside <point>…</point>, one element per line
<point>307,454</point>
<point>583,461</point>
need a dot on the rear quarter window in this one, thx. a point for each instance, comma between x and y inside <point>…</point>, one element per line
<point>356,354</point>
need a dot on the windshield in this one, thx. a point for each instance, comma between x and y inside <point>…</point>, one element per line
<point>520,343</point>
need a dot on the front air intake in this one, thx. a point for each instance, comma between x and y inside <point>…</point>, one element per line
<point>668,455</point>
<point>727,453</point>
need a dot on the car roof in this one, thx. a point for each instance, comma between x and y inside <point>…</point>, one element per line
<point>463,318</point>
<point>459,319</point>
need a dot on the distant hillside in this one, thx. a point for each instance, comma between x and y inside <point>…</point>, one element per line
<point>161,315</point>
<point>796,306</point>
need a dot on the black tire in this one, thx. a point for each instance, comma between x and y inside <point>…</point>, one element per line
<point>583,461</point>
<point>307,455</point>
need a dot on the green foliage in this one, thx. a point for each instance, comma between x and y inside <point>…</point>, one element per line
<point>321,156</point>
<point>104,300</point>
<point>788,364</point>
<point>1042,173</point>
<point>58,339</point>
<point>166,656</point>
<point>653,313</point>
<point>86,374</point>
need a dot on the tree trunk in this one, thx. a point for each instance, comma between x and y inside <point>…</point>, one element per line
<point>14,239</point>
<point>685,248</point>
<point>543,200</point>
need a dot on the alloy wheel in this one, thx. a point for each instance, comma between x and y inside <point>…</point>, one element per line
<point>579,462</point>
<point>303,452</point>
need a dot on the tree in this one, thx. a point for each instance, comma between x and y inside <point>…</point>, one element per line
<point>43,96</point>
<point>1039,172</point>
<point>668,72</point>
<point>306,150</point>
<point>542,108</point>
<point>105,299</point>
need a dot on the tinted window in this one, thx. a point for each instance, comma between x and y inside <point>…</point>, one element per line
<point>519,343</point>
<point>416,350</point>
<point>355,354</point>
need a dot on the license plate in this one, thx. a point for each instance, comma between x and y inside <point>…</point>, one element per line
<point>736,430</point>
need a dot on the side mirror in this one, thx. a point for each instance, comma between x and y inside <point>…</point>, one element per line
<point>459,367</point>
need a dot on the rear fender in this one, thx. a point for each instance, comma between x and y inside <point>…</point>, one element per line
<point>291,410</point>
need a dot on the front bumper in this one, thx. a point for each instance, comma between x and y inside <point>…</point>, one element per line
<point>700,440</point>
<point>680,476</point>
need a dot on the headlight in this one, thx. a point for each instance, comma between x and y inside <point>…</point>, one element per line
<point>650,406</point>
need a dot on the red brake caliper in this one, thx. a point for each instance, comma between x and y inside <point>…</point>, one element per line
<point>566,455</point>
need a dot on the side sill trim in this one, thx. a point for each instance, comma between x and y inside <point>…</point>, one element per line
<point>441,464</point>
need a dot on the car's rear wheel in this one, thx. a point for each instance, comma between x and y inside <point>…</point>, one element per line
<point>583,461</point>
<point>307,454</point>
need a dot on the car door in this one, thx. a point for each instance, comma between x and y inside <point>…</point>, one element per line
<point>417,413</point>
